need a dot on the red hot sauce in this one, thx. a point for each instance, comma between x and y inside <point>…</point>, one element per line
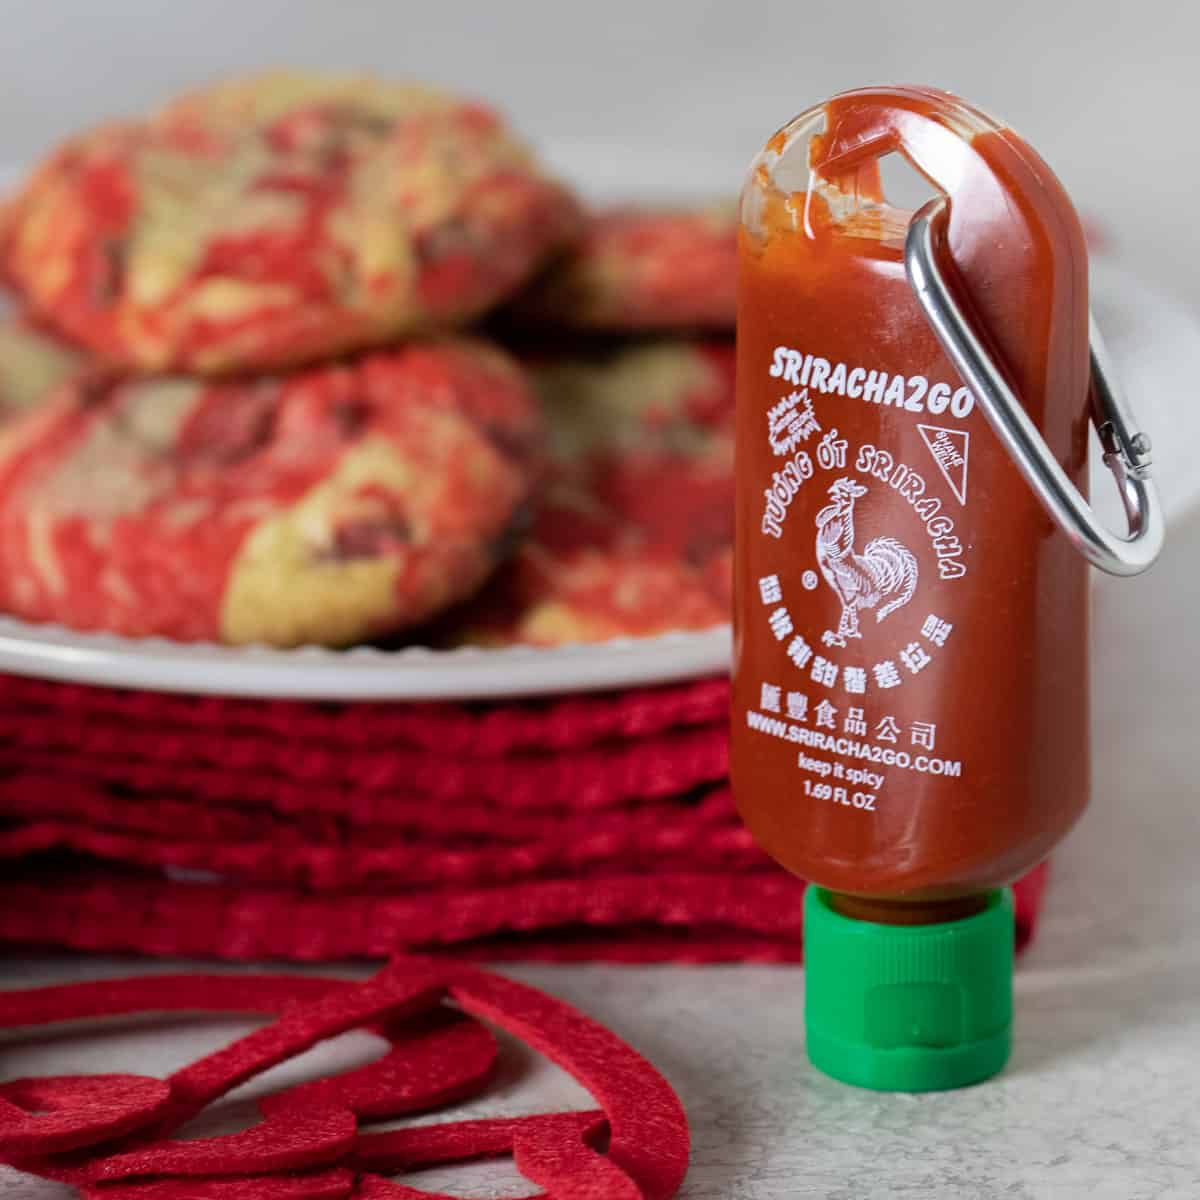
<point>910,699</point>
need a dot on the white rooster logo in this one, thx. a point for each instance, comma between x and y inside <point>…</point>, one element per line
<point>885,570</point>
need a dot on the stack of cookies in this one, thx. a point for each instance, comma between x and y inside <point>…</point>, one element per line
<point>321,360</point>
<point>303,360</point>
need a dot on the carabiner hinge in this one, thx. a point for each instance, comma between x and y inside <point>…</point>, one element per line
<point>1133,453</point>
<point>1114,422</point>
<point>1127,451</point>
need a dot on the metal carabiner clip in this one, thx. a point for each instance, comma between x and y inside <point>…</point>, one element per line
<point>1126,451</point>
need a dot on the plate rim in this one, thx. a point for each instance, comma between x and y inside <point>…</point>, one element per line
<point>359,673</point>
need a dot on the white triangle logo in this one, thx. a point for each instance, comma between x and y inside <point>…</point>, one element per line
<point>949,448</point>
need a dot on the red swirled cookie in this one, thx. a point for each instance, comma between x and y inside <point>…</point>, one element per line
<point>641,269</point>
<point>330,506</point>
<point>279,219</point>
<point>32,364</point>
<point>635,528</point>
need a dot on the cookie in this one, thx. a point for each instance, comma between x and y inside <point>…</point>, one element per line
<point>330,506</point>
<point>279,219</point>
<point>638,270</point>
<point>634,530</point>
<point>33,364</point>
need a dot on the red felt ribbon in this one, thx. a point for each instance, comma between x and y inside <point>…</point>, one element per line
<point>308,1145</point>
<point>75,1110</point>
<point>335,1184</point>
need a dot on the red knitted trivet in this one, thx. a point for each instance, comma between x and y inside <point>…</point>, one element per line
<point>599,827</point>
<point>681,917</point>
<point>450,730</point>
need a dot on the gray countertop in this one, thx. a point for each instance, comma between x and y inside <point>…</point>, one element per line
<point>1102,1098</point>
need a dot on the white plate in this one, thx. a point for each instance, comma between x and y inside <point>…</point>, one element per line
<point>364,673</point>
<point>1154,343</point>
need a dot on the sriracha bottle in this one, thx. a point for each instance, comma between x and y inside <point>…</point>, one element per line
<point>910,696</point>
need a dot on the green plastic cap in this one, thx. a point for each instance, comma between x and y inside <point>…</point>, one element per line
<point>908,1008</point>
